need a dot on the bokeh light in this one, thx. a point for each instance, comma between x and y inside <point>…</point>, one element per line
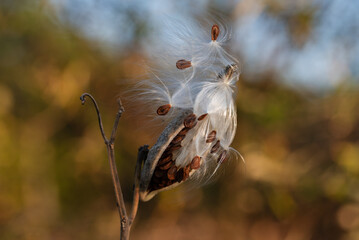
<point>298,121</point>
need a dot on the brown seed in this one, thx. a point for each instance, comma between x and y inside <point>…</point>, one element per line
<point>183,64</point>
<point>171,174</point>
<point>155,180</point>
<point>178,139</point>
<point>179,175</point>
<point>159,173</point>
<point>164,180</point>
<point>173,147</point>
<point>186,171</point>
<point>190,121</point>
<point>164,109</point>
<point>202,116</point>
<point>165,158</point>
<point>168,182</point>
<point>223,157</point>
<point>196,162</point>
<point>166,165</point>
<point>211,136</point>
<point>216,146</point>
<point>214,32</point>
<point>183,132</point>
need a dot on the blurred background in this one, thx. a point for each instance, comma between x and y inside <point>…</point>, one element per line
<point>298,121</point>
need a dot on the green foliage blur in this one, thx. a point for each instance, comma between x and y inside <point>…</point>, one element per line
<point>300,180</point>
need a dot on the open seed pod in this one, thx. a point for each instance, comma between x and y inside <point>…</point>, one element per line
<point>159,171</point>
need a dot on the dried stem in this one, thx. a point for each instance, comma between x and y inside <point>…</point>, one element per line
<point>126,221</point>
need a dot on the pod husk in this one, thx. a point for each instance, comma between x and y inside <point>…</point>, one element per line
<point>155,153</point>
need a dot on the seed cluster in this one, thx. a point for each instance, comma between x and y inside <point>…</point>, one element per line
<point>166,172</point>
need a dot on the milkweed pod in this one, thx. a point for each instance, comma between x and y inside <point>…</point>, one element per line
<point>203,111</point>
<point>147,188</point>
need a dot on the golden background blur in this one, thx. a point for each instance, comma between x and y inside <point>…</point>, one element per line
<point>300,180</point>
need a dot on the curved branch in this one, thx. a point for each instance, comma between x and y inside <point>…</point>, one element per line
<point>83,100</point>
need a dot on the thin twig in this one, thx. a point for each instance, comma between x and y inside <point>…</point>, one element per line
<point>121,109</point>
<point>83,100</point>
<point>126,222</point>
